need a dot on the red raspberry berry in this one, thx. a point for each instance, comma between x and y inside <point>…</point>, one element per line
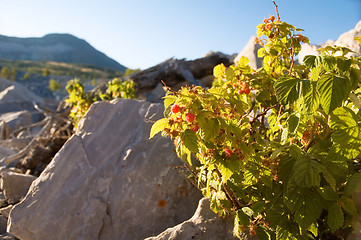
<point>228,152</point>
<point>246,90</point>
<point>253,233</point>
<point>190,117</point>
<point>175,108</point>
<point>272,18</point>
<point>240,91</point>
<point>194,128</point>
<point>268,26</point>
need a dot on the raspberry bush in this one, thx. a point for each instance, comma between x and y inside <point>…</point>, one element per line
<point>80,100</point>
<point>277,147</point>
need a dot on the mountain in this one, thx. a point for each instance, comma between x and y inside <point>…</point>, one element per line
<point>55,47</point>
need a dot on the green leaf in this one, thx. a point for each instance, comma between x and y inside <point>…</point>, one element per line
<point>347,133</point>
<point>158,126</point>
<point>328,193</point>
<point>262,234</point>
<point>242,218</point>
<point>329,62</point>
<point>349,205</point>
<point>313,228</point>
<point>307,172</point>
<point>335,217</point>
<point>333,91</point>
<point>243,61</point>
<point>315,73</point>
<point>343,64</point>
<point>309,61</point>
<point>229,74</point>
<point>293,122</point>
<point>249,212</point>
<point>169,100</point>
<point>353,184</point>
<point>288,89</point>
<point>309,209</point>
<point>211,129</point>
<point>311,100</point>
<point>189,139</point>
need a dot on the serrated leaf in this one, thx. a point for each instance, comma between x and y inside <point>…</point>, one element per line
<point>307,172</point>
<point>349,205</point>
<point>189,139</point>
<point>288,89</point>
<point>353,184</point>
<point>262,234</point>
<point>219,71</point>
<point>315,73</point>
<point>335,217</point>
<point>243,61</point>
<point>169,100</point>
<point>211,130</point>
<point>158,126</point>
<point>343,64</point>
<point>328,193</point>
<point>329,62</point>
<point>293,122</point>
<point>333,91</point>
<point>309,61</point>
<point>347,133</point>
<point>309,209</point>
<point>329,178</point>
<point>229,74</point>
<point>311,100</point>
<point>242,218</point>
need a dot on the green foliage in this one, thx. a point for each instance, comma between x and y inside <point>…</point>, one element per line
<point>129,71</point>
<point>80,100</point>
<point>54,85</point>
<point>5,73</point>
<point>280,146</point>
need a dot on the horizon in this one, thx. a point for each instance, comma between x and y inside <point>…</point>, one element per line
<point>141,34</point>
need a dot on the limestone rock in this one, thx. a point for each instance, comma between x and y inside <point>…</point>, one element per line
<point>109,181</point>
<point>17,92</point>
<point>16,120</point>
<point>5,152</point>
<point>251,52</point>
<point>6,210</point>
<point>204,225</point>
<point>15,185</point>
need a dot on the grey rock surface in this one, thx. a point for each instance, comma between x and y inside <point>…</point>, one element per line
<point>6,210</point>
<point>204,225</point>
<point>109,181</point>
<point>15,185</point>
<point>15,120</point>
<point>17,92</point>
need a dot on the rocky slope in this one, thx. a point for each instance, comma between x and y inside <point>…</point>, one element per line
<point>55,47</point>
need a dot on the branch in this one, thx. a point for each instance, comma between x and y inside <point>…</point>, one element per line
<point>278,16</point>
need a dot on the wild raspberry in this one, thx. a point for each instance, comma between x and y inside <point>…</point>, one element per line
<point>190,117</point>
<point>228,152</point>
<point>246,90</point>
<point>268,26</point>
<point>194,128</point>
<point>272,18</point>
<point>175,108</point>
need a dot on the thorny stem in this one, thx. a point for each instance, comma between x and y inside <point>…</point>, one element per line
<point>292,59</point>
<point>278,16</point>
<point>168,88</point>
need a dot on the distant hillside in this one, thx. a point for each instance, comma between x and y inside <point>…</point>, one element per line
<point>55,47</point>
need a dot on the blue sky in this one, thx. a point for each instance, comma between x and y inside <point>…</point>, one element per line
<point>143,33</point>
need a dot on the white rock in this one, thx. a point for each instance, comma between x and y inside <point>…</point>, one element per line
<point>109,181</point>
<point>251,52</point>
<point>15,185</point>
<point>204,225</point>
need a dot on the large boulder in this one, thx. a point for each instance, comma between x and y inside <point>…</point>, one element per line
<point>14,92</point>
<point>109,181</point>
<point>204,225</point>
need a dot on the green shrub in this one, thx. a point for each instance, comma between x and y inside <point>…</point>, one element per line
<point>276,147</point>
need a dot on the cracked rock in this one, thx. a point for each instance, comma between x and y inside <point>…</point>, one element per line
<point>109,181</point>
